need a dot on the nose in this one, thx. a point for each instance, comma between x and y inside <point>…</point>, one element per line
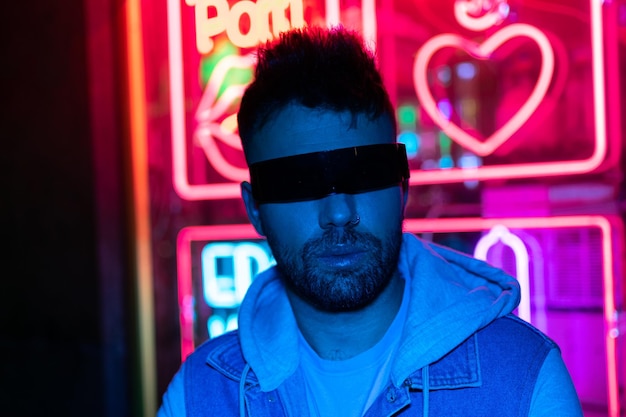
<point>337,210</point>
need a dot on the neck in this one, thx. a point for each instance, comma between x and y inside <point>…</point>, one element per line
<point>340,336</point>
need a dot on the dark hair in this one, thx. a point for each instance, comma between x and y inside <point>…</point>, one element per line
<point>317,68</point>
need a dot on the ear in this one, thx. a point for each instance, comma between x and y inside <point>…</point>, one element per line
<point>252,208</point>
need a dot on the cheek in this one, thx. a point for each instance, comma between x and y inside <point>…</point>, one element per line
<point>287,222</point>
<point>383,207</point>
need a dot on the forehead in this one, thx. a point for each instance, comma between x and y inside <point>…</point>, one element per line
<point>297,130</point>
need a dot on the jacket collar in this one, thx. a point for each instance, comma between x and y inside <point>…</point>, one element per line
<point>458,369</point>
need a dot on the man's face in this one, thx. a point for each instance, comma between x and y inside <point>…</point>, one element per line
<point>327,257</point>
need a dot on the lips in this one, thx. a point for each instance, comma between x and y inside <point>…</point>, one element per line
<point>342,257</point>
<point>340,249</point>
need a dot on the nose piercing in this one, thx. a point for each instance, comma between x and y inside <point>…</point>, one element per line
<point>356,220</point>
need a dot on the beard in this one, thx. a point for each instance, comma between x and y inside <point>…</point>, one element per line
<point>347,288</point>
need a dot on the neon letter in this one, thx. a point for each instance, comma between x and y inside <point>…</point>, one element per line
<point>226,290</point>
<point>206,27</point>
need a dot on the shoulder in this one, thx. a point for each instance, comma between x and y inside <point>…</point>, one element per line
<point>512,329</point>
<point>535,362</point>
<point>222,354</point>
<point>523,347</point>
<point>512,353</point>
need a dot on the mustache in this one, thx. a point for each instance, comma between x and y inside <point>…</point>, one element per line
<point>334,237</point>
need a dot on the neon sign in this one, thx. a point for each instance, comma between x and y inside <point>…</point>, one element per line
<point>476,15</point>
<point>227,272</point>
<point>213,118</point>
<point>227,290</point>
<point>500,233</point>
<point>267,19</point>
<point>484,50</point>
<point>485,35</point>
<point>480,14</point>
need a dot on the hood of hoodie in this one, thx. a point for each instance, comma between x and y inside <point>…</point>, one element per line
<point>452,296</point>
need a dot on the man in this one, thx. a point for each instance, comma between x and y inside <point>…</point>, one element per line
<point>356,318</point>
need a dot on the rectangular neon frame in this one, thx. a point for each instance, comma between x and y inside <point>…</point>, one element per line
<point>225,190</point>
<point>246,231</point>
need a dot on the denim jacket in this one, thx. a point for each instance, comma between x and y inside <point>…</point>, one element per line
<point>504,357</point>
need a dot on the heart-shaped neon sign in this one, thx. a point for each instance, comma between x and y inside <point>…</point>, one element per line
<point>483,51</point>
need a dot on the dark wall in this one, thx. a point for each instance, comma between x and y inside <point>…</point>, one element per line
<point>63,340</point>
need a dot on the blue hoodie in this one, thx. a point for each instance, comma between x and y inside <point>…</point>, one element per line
<point>461,352</point>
